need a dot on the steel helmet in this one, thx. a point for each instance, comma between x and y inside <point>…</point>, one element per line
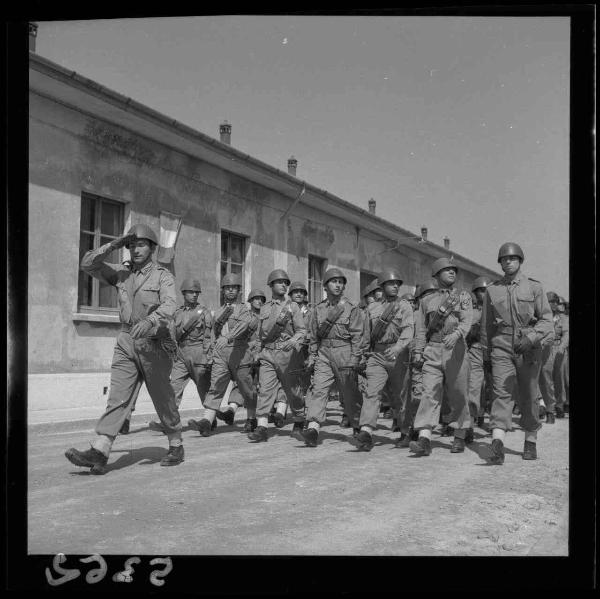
<point>510,248</point>
<point>332,273</point>
<point>481,283</point>
<point>442,263</point>
<point>141,231</point>
<point>297,286</point>
<point>422,288</point>
<point>278,273</point>
<point>190,285</point>
<point>372,286</point>
<point>553,297</point>
<point>231,279</point>
<point>256,293</point>
<point>391,274</point>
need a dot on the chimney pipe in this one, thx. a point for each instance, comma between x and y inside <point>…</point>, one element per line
<point>32,35</point>
<point>372,206</point>
<point>424,233</point>
<point>225,131</point>
<point>447,243</point>
<point>292,164</point>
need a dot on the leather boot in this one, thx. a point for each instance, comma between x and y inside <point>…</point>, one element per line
<point>529,451</point>
<point>226,416</point>
<point>174,456</point>
<point>458,445</point>
<point>363,441</point>
<point>549,418</point>
<point>250,425</point>
<point>497,456</point>
<point>259,435</point>
<point>422,447</point>
<point>91,458</point>
<point>311,436</point>
<point>403,441</point>
<point>469,436</point>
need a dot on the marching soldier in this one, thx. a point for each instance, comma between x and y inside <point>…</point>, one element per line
<point>389,330</point>
<point>440,345</point>
<point>193,326</point>
<point>336,353</point>
<point>476,374</point>
<point>513,345</point>
<point>233,326</point>
<point>413,382</point>
<point>562,358</point>
<point>372,292</point>
<point>299,294</point>
<point>282,332</point>
<point>143,347</point>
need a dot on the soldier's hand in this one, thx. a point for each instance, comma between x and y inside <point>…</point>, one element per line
<point>451,339</point>
<point>140,329</point>
<point>391,353</point>
<point>523,345</point>
<point>418,361</point>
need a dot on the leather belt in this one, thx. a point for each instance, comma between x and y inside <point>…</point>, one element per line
<point>334,342</point>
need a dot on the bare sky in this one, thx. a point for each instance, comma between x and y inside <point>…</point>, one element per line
<point>457,123</point>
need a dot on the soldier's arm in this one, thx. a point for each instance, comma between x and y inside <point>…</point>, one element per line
<point>208,331</point>
<point>486,323</point>
<point>356,330</point>
<point>406,323</point>
<point>420,330</point>
<point>544,326</point>
<point>167,298</point>
<point>94,265</point>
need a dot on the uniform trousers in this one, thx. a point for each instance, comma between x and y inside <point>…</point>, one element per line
<point>512,372</point>
<point>561,376</point>
<point>548,376</point>
<point>445,370</point>
<point>135,362</point>
<point>477,378</point>
<point>334,365</point>
<point>232,362</point>
<point>191,364</point>
<point>410,398</point>
<point>380,371</point>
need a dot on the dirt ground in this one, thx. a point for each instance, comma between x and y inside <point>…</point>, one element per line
<point>233,497</point>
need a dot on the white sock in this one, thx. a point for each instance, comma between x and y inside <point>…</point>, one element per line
<point>364,427</point>
<point>232,407</point>
<point>263,421</point>
<point>498,433</point>
<point>281,408</point>
<point>103,444</point>
<point>209,414</point>
<point>425,432</point>
<point>531,436</point>
<point>315,425</point>
<point>175,439</point>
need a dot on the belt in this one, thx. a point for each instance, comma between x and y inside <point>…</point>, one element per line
<point>274,345</point>
<point>436,337</point>
<point>383,345</point>
<point>334,342</point>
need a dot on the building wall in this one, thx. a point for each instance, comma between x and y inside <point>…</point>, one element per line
<point>71,152</point>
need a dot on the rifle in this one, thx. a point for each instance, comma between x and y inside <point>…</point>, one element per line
<point>280,322</point>
<point>443,311</point>
<point>384,320</point>
<point>223,318</point>
<point>192,322</point>
<point>333,314</point>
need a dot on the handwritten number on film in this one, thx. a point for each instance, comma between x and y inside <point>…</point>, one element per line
<point>97,574</point>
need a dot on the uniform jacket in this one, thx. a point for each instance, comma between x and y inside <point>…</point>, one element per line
<point>561,330</point>
<point>146,293</point>
<point>240,325</point>
<point>349,326</point>
<point>458,320</point>
<point>400,329</point>
<point>201,332</point>
<point>511,306</point>
<point>294,329</point>
<point>474,335</point>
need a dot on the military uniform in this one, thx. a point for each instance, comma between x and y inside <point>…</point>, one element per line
<point>335,356</point>
<point>552,371</point>
<point>444,369</point>
<point>275,362</point>
<point>194,356</point>
<point>234,361</point>
<point>508,310</point>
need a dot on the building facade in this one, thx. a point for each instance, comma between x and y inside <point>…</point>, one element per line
<point>99,162</point>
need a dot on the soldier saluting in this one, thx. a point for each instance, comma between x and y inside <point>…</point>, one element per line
<point>336,352</point>
<point>147,302</point>
<point>512,343</point>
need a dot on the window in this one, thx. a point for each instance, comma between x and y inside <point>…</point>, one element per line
<point>316,269</point>
<point>101,222</point>
<point>233,255</point>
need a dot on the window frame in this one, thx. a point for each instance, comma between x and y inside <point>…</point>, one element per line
<point>229,262</point>
<point>98,236</point>
<point>322,263</point>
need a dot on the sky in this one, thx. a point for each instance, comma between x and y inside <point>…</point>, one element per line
<point>460,124</point>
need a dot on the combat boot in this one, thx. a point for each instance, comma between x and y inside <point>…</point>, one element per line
<point>447,430</point>
<point>458,445</point>
<point>542,413</point>
<point>203,426</point>
<point>497,456</point>
<point>226,416</point>
<point>278,420</point>
<point>250,425</point>
<point>345,423</point>
<point>422,447</point>
<point>260,434</point>
<point>92,458</point>
<point>363,441</point>
<point>174,456</point>
<point>481,421</point>
<point>559,412</point>
<point>549,418</point>
<point>529,451</point>
<point>403,441</point>
<point>297,430</point>
<point>469,436</point>
<point>311,436</point>
<point>124,430</point>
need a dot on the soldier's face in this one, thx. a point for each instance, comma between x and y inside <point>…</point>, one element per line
<point>191,297</point>
<point>378,295</point>
<point>553,305</point>
<point>279,287</point>
<point>370,299</point>
<point>298,296</point>
<point>231,292</point>
<point>257,303</point>
<point>390,288</point>
<point>510,264</point>
<point>335,286</point>
<point>447,276</point>
<point>140,250</point>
